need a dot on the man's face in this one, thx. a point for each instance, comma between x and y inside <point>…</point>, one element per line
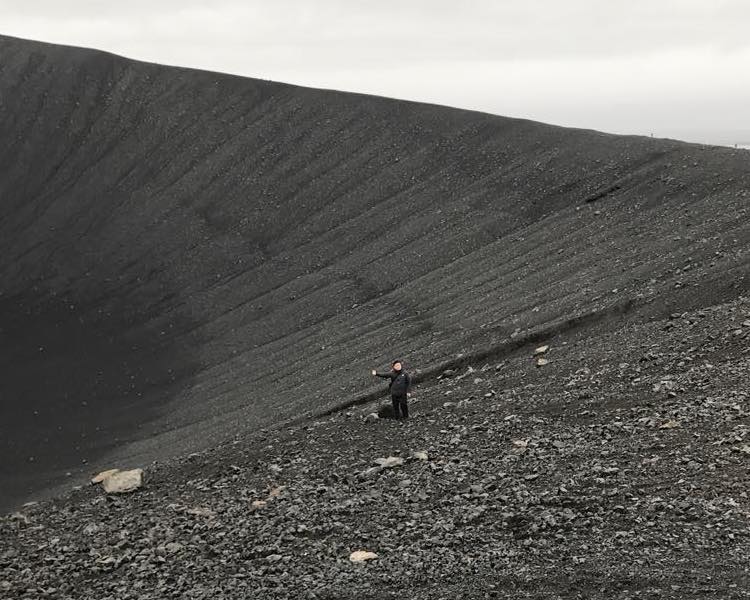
<point>397,366</point>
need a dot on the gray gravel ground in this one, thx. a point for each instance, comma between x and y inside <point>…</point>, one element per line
<point>617,470</point>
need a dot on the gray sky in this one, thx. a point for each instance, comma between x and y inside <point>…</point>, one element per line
<point>678,68</point>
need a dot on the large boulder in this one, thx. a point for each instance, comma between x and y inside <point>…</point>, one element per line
<point>99,477</point>
<point>123,482</point>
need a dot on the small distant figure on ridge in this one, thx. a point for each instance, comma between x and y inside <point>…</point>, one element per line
<point>399,387</point>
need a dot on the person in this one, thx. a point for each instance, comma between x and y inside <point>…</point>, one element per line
<point>399,386</point>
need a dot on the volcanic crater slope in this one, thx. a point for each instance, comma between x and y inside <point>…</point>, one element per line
<point>618,470</point>
<point>188,255</point>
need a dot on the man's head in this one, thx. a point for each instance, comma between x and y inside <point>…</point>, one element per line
<point>396,365</point>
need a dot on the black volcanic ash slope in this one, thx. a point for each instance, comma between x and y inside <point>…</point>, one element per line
<point>185,254</point>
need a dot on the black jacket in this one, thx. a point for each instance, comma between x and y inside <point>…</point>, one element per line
<point>400,382</point>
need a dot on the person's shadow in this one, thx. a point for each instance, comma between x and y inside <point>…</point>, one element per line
<point>386,412</point>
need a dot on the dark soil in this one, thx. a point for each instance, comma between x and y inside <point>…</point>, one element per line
<point>203,266</point>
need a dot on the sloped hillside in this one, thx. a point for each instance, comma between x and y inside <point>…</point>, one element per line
<point>618,470</point>
<point>187,255</point>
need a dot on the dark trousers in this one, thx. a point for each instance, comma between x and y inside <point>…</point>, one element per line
<point>400,407</point>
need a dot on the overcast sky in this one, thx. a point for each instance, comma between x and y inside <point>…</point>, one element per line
<point>678,68</point>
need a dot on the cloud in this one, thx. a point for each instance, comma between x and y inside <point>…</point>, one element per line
<point>617,65</point>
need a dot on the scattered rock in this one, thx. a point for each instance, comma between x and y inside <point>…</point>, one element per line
<point>103,475</point>
<point>541,350</point>
<point>362,556</point>
<point>22,518</point>
<point>540,362</point>
<point>372,417</point>
<point>391,461</point>
<point>123,482</point>
<point>201,512</point>
<point>420,455</point>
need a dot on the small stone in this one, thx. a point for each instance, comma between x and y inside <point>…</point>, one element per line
<point>173,547</point>
<point>17,516</point>
<point>541,350</point>
<point>201,512</point>
<point>258,504</point>
<point>671,424</point>
<point>372,417</point>
<point>362,556</point>
<point>391,461</point>
<point>541,362</point>
<point>420,455</point>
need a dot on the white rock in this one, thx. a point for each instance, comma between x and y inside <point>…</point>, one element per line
<point>372,417</point>
<point>541,362</point>
<point>391,461</point>
<point>541,350</point>
<point>103,475</point>
<point>362,556</point>
<point>419,455</point>
<point>123,482</point>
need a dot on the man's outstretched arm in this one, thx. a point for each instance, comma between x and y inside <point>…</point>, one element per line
<point>383,375</point>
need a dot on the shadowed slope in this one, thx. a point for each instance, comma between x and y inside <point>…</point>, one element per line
<point>184,254</point>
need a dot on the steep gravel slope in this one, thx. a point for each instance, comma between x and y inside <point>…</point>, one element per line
<point>187,255</point>
<point>618,470</point>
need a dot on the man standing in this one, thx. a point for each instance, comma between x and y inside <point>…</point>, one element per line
<point>399,387</point>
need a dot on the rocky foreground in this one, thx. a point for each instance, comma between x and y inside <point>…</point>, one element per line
<point>616,467</point>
